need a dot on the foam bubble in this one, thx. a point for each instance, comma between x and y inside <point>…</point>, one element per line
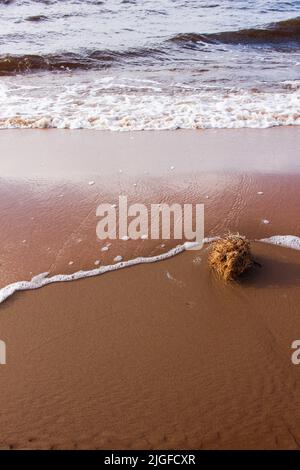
<point>289,241</point>
<point>55,106</point>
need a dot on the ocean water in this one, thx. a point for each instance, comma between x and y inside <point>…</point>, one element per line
<point>149,64</point>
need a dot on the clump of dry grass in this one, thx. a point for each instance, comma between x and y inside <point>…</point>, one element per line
<point>230,256</point>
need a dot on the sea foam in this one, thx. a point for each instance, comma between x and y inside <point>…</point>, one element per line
<point>97,105</point>
<point>42,279</point>
<point>289,241</point>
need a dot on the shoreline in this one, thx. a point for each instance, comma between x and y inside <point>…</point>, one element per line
<point>158,355</point>
<point>45,178</point>
<point>42,279</point>
<point>140,153</point>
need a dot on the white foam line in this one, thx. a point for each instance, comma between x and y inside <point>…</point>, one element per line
<point>195,109</point>
<point>289,241</point>
<point>41,280</point>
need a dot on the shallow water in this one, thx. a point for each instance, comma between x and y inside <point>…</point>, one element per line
<point>125,64</point>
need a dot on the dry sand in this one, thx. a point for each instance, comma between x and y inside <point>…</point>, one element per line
<point>154,356</point>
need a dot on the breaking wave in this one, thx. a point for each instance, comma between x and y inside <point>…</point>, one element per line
<point>143,105</point>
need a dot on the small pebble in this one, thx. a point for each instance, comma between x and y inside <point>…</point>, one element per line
<point>91,183</point>
<point>118,258</point>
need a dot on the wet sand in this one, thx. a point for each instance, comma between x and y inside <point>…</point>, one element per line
<point>153,356</point>
<point>48,204</point>
<point>142,359</point>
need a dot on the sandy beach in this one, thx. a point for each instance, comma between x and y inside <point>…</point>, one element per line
<point>105,363</point>
<point>248,181</point>
<point>161,355</point>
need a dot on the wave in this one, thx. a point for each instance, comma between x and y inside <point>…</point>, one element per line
<point>288,241</point>
<point>12,64</point>
<point>96,105</point>
<point>282,32</point>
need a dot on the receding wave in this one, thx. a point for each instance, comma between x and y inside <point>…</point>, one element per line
<point>282,32</point>
<point>42,279</point>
